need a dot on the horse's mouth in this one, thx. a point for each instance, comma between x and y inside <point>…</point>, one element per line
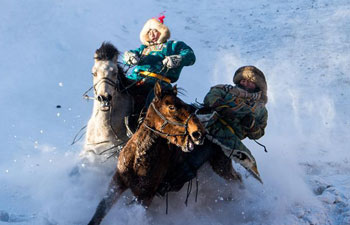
<point>189,145</point>
<point>199,141</point>
<point>105,105</point>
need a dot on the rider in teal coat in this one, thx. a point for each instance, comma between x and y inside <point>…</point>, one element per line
<point>158,59</point>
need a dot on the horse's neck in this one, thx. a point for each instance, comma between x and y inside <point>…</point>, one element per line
<point>145,139</point>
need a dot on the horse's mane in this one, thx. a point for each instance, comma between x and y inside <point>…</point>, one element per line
<point>106,52</point>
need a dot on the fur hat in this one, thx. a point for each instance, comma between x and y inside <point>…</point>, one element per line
<point>254,75</point>
<point>158,25</point>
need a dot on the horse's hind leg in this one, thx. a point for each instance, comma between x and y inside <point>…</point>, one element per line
<point>222,165</point>
<point>114,191</point>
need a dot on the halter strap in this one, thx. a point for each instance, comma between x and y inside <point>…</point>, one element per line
<point>105,80</point>
<point>166,121</point>
<point>102,80</point>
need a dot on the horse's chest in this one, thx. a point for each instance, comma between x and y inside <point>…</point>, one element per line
<point>145,163</point>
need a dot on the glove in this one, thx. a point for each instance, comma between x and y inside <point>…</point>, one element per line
<point>172,61</point>
<point>248,121</point>
<point>245,94</point>
<point>131,58</point>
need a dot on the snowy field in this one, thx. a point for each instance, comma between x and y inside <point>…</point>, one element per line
<point>303,47</point>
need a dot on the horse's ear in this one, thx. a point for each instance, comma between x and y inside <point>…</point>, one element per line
<point>95,57</point>
<point>157,90</point>
<point>175,89</point>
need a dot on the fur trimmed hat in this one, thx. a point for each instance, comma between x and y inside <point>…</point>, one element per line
<point>254,75</point>
<point>154,24</point>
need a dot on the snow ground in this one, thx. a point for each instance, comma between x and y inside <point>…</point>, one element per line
<point>302,47</point>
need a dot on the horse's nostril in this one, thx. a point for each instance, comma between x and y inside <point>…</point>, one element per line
<point>100,98</point>
<point>196,135</point>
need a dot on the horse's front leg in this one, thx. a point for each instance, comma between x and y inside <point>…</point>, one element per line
<point>145,201</point>
<point>115,189</point>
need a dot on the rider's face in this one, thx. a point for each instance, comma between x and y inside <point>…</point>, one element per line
<point>247,84</point>
<point>153,35</point>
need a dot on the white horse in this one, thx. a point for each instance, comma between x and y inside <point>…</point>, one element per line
<point>106,130</point>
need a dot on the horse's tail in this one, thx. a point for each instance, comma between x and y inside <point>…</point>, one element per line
<point>114,192</point>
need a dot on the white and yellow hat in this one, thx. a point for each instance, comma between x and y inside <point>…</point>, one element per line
<point>155,23</point>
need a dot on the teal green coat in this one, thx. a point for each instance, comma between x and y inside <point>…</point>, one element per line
<point>152,57</point>
<point>225,127</point>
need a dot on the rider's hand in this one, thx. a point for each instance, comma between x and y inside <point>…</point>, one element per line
<point>131,58</point>
<point>172,61</point>
<point>248,121</point>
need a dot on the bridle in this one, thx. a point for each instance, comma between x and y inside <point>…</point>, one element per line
<point>115,85</point>
<point>166,122</point>
<point>106,80</point>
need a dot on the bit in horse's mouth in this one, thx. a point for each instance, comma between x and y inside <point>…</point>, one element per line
<point>189,145</point>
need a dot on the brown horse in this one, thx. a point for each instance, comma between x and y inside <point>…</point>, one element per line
<point>145,159</point>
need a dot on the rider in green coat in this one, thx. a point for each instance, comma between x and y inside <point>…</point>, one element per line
<point>157,59</point>
<point>235,112</point>
<point>239,112</point>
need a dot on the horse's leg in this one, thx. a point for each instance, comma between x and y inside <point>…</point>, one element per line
<point>115,189</point>
<point>222,165</point>
<point>145,201</point>
<point>184,168</point>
